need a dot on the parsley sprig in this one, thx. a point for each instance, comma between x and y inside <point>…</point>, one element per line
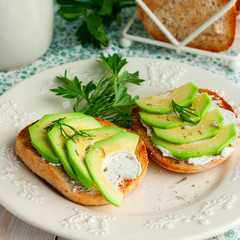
<point>96,15</point>
<point>184,112</point>
<point>60,122</point>
<point>108,98</point>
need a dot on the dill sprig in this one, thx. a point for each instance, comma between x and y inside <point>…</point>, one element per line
<point>184,112</point>
<point>60,122</point>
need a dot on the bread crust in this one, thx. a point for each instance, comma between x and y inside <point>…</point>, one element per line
<point>171,163</point>
<point>238,5</point>
<point>182,17</point>
<point>56,176</point>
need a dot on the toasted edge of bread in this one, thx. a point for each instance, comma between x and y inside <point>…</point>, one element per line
<point>169,162</point>
<point>238,5</point>
<point>181,18</point>
<point>56,176</point>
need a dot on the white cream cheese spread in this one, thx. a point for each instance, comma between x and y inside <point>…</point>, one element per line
<point>121,165</point>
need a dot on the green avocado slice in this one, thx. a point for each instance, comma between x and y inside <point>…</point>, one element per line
<point>201,105</point>
<point>76,150</point>
<point>214,145</point>
<point>57,141</point>
<point>38,134</point>
<point>161,120</point>
<point>98,151</point>
<point>206,128</point>
<point>182,95</point>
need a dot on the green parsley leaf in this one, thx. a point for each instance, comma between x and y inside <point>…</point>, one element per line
<point>107,8</point>
<point>122,98</point>
<point>113,63</point>
<point>96,28</point>
<point>71,13</point>
<point>84,36</point>
<point>130,78</point>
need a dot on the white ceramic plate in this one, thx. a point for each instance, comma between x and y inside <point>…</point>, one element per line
<point>165,206</point>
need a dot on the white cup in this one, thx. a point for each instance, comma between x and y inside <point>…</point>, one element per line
<point>26,28</point>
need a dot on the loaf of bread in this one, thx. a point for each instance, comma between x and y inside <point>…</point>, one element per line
<point>182,17</point>
<point>172,163</point>
<point>56,176</point>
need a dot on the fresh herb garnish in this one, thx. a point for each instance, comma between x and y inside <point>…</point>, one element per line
<point>60,122</point>
<point>108,98</point>
<point>96,14</point>
<point>184,112</point>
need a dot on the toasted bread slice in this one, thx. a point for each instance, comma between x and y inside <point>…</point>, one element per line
<point>182,17</point>
<point>169,162</point>
<point>56,176</point>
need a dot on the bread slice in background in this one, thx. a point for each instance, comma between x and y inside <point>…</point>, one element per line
<point>182,17</point>
<point>238,5</point>
<point>56,176</point>
<point>169,162</point>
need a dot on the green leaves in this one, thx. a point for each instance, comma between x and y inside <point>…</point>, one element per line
<point>108,98</point>
<point>122,98</point>
<point>96,15</point>
<point>71,90</point>
<point>130,78</point>
<point>96,29</point>
<point>107,8</point>
<point>71,13</point>
<point>113,63</point>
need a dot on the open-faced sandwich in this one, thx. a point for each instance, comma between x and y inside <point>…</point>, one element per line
<point>187,129</point>
<point>89,160</point>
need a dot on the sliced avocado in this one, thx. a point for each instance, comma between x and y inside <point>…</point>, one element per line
<point>98,151</point>
<point>161,120</point>
<point>182,95</point>
<point>214,145</point>
<point>206,128</point>
<point>76,150</point>
<point>38,134</point>
<point>57,141</point>
<point>201,105</point>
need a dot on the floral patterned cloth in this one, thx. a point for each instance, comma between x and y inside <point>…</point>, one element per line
<point>65,48</point>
